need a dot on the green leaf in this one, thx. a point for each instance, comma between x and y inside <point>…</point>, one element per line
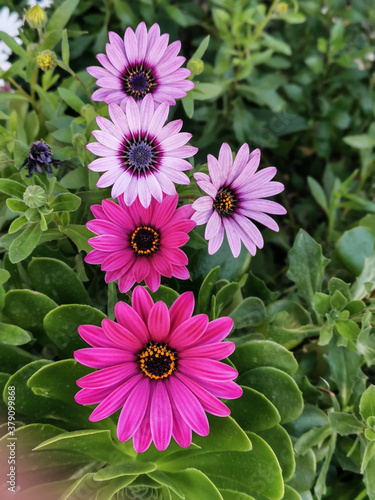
<point>12,357</point>
<point>206,289</point>
<point>367,403</point>
<point>124,469</point>
<point>257,353</point>
<point>225,435</point>
<point>291,494</point>
<point>57,280</point>
<point>354,246</point>
<point>294,17</point>
<point>240,471</point>
<point>235,495</point>
<point>345,423</point>
<point>348,329</point>
<point>338,300</point>
<point>337,284</point>
<point>114,486</point>
<point>164,293</point>
<point>368,455</point>
<point>17,224</point>
<point>304,474</point>
<point>27,309</point>
<point>199,53</point>
<point>313,437</point>
<point>280,442</point>
<point>96,444</point>
<point>225,295</point>
<point>12,188</point>
<point>25,243</point>
<point>13,335</point>
<point>278,387</point>
<point>4,276</point>
<point>65,47</point>
<point>365,282</point>
<point>61,15</point>
<point>62,323</point>
<point>249,313</point>
<point>16,205</point>
<point>66,202</point>
<point>79,235</point>
<point>363,141</point>
<point>255,287</point>
<point>13,45</point>
<point>276,44</point>
<point>194,484</point>
<point>307,265</point>
<point>355,307</point>
<point>345,369</point>
<point>322,303</point>
<point>71,99</point>
<point>253,411</point>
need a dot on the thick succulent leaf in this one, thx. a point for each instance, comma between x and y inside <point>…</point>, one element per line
<point>278,387</point>
<point>280,442</point>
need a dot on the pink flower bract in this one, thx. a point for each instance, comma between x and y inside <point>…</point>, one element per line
<point>160,367</point>
<point>140,156</point>
<point>140,64</point>
<point>235,196</point>
<point>136,243</point>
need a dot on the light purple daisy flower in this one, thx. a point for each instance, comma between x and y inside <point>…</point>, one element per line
<point>235,196</point>
<point>140,156</point>
<point>140,64</point>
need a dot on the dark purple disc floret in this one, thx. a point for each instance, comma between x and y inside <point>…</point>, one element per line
<point>39,159</point>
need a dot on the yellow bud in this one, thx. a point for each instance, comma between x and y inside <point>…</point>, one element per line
<point>196,66</point>
<point>36,17</point>
<point>46,60</point>
<point>282,8</point>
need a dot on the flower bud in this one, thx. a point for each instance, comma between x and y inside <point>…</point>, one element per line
<point>46,60</point>
<point>282,8</point>
<point>34,196</point>
<point>36,17</point>
<point>196,66</point>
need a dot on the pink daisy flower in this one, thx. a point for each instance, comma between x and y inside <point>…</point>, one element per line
<point>161,367</point>
<point>142,63</point>
<point>137,243</point>
<point>140,156</point>
<point>235,196</point>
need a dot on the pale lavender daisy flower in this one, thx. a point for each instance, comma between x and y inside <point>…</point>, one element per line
<point>140,64</point>
<point>141,156</point>
<point>235,196</point>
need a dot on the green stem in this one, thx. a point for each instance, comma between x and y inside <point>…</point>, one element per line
<point>112,299</point>
<point>265,21</point>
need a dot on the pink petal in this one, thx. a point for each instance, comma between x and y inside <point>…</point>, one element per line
<point>94,336</point>
<point>120,335</point>
<point>213,226</point>
<point>92,396</point>
<point>218,351</point>
<point>188,406</point>
<point>142,302</point>
<point>159,322</point>
<point>142,437</point>
<point>188,332</point>
<point>181,309</point>
<point>210,369</point>
<point>216,331</point>
<point>215,243</point>
<point>102,357</point>
<point>234,239</point>
<point>108,376</point>
<point>129,318</point>
<point>161,416</point>
<point>134,410</point>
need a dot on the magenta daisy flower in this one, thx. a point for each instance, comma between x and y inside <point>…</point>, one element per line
<point>160,367</point>
<point>140,156</point>
<point>142,63</point>
<point>235,196</point>
<point>137,243</point>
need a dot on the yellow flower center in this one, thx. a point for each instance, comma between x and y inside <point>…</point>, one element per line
<point>157,360</point>
<point>224,202</point>
<point>145,240</point>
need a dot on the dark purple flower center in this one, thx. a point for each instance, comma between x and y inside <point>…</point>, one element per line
<point>157,360</point>
<point>225,202</point>
<point>145,240</point>
<point>138,81</point>
<point>139,155</point>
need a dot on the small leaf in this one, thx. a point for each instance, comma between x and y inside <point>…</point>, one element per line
<point>313,437</point>
<point>25,243</point>
<point>354,246</point>
<point>79,235</point>
<point>61,15</point>
<point>367,402</point>
<point>12,188</point>
<point>365,282</point>
<point>194,484</point>
<point>16,205</point>
<point>65,47</point>
<point>206,289</point>
<point>71,99</point>
<point>279,440</point>
<point>225,295</point>
<point>124,469</point>
<point>348,329</point>
<point>249,313</point>
<point>13,335</point>
<point>368,455</point>
<point>17,224</point>
<point>322,303</point>
<point>66,202</point>
<point>199,53</point>
<point>363,141</point>
<point>4,276</point>
<point>345,423</point>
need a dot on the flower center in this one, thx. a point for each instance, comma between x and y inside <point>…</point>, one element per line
<point>138,81</point>
<point>145,240</point>
<point>157,360</point>
<point>139,155</point>
<point>225,202</point>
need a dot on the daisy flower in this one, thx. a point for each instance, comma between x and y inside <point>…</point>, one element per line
<point>10,23</point>
<point>235,198</point>
<point>137,243</point>
<point>140,156</point>
<point>160,367</point>
<point>142,63</point>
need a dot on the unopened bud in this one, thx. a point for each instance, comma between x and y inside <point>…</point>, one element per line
<point>34,196</point>
<point>282,8</point>
<point>46,60</point>
<point>196,66</point>
<point>36,17</point>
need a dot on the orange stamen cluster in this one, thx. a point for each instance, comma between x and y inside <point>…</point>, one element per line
<point>157,360</point>
<point>224,202</point>
<point>145,240</point>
